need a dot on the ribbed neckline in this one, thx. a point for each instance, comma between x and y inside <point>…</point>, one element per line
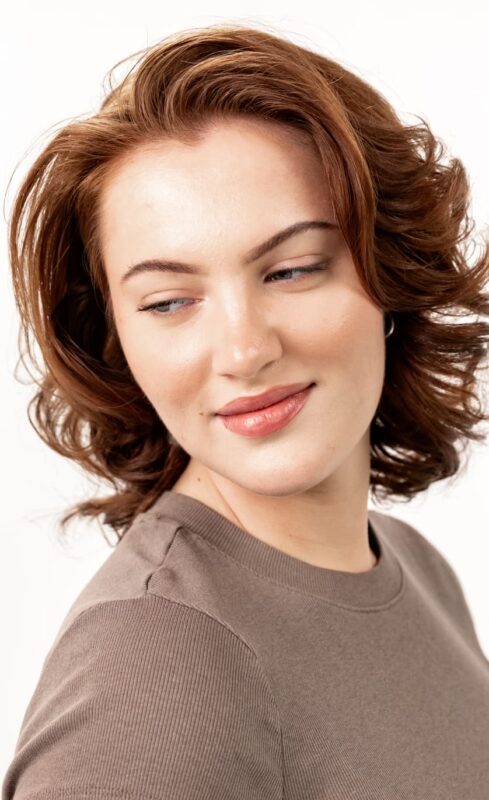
<point>375,588</point>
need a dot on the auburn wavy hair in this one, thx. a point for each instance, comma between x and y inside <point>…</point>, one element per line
<point>401,206</point>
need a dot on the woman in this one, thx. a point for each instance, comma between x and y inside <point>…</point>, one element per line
<point>239,273</point>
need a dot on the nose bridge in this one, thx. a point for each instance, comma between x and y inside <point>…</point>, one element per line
<point>244,333</point>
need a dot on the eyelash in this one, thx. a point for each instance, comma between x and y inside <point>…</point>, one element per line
<point>304,270</point>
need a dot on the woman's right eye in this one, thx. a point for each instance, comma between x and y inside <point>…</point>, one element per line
<point>163,304</point>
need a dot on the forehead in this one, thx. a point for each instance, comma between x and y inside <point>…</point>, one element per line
<point>235,152</point>
<point>244,179</point>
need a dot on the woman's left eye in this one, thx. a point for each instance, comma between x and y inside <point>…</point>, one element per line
<point>313,268</point>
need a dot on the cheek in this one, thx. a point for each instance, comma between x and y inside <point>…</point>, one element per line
<point>346,336</point>
<point>167,374</point>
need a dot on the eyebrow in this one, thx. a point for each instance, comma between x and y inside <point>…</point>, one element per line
<point>159,265</point>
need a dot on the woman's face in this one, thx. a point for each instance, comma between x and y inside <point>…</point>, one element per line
<point>232,329</point>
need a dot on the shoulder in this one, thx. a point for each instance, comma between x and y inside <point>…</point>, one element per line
<point>428,569</point>
<point>415,549</point>
<point>152,697</point>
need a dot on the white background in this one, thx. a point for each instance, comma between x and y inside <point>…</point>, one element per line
<point>426,58</point>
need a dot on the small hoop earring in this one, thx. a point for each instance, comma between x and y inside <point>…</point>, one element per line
<point>391,327</point>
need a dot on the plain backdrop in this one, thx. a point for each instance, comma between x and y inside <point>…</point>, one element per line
<point>428,59</point>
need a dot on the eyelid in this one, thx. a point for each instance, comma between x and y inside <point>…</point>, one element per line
<point>291,263</point>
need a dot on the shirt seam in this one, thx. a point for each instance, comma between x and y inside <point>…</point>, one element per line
<point>356,609</point>
<point>159,596</point>
<point>69,792</point>
<point>248,647</point>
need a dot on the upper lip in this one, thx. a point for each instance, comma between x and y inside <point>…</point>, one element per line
<point>256,401</point>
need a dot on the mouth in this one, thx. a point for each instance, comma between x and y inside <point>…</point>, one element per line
<point>264,421</point>
<point>247,404</point>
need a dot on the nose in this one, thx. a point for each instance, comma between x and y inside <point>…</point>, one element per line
<point>245,339</point>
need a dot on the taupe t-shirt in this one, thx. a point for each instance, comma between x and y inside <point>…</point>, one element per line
<point>200,663</point>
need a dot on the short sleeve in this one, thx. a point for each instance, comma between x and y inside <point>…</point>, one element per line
<point>146,699</point>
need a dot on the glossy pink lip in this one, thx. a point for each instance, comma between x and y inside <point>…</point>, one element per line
<point>264,421</point>
<point>258,401</point>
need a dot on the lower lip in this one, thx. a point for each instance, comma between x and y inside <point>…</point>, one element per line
<point>267,420</point>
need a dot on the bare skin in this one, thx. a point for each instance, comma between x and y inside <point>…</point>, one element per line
<point>304,488</point>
